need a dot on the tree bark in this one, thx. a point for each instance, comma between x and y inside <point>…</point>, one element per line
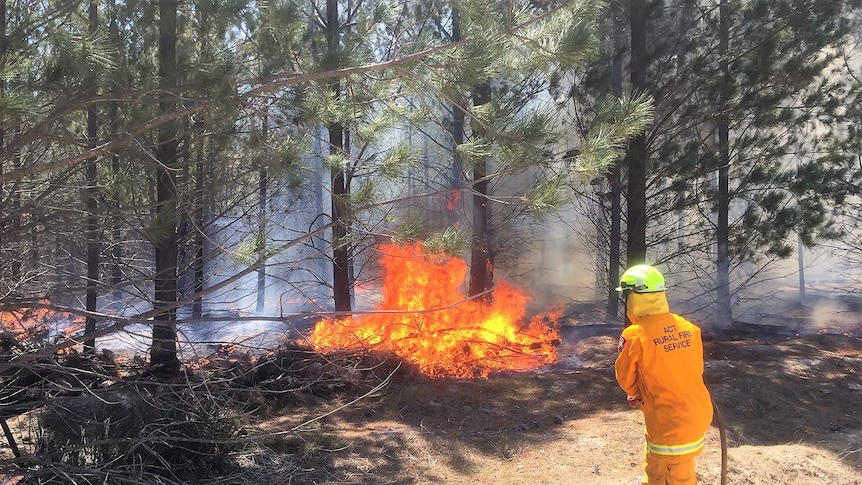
<point>200,223</point>
<point>202,177</point>
<point>340,245</point>
<point>615,231</point>
<point>116,222</point>
<point>18,258</point>
<point>163,353</point>
<point>262,186</point>
<point>800,258</point>
<point>723,309</point>
<point>481,253</point>
<point>458,117</point>
<point>3,51</point>
<point>636,157</point>
<point>90,195</point>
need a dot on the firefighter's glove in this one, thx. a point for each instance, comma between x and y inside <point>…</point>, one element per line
<point>634,401</point>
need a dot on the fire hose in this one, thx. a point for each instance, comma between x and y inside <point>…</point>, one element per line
<point>722,433</point>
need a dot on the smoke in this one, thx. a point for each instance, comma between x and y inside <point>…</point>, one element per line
<point>556,267</point>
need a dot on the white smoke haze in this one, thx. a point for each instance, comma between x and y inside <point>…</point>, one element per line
<point>555,259</point>
<point>562,266</point>
<point>556,267</point>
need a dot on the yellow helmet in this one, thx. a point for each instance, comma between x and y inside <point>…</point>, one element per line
<point>642,278</point>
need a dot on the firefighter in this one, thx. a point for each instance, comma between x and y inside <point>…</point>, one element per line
<point>660,367</point>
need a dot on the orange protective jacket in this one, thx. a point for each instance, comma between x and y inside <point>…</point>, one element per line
<point>661,362</point>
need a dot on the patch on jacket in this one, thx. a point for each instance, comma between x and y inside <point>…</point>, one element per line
<point>621,344</point>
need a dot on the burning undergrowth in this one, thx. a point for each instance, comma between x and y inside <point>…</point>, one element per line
<point>35,325</point>
<point>425,319</point>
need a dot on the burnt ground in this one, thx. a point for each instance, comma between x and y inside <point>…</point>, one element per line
<point>790,407</point>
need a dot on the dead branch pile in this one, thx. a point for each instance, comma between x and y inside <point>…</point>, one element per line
<point>144,428</point>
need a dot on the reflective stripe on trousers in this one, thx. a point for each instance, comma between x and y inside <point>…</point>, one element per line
<point>674,450</point>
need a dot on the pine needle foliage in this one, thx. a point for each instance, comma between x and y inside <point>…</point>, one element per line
<point>448,241</point>
<point>254,86</point>
<point>616,121</point>
<point>397,161</point>
<point>547,196</point>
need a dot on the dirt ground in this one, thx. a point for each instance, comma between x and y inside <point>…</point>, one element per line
<point>790,407</point>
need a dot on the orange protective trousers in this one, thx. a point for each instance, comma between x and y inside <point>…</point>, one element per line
<point>669,469</point>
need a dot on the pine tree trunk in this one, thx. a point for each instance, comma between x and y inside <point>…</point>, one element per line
<point>457,134</point>
<point>114,126</point>
<point>636,157</point>
<point>183,222</point>
<point>481,253</point>
<point>200,224</point>
<point>90,195</point>
<point>202,161</point>
<point>800,258</point>
<point>319,243</point>
<point>18,256</point>
<point>263,185</point>
<point>724,316</point>
<point>116,232</point>
<point>614,176</point>
<point>340,246</point>
<point>163,353</point>
<point>3,51</point>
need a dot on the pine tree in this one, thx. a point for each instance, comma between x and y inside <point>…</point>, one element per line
<point>720,179</point>
<point>340,188</point>
<point>773,94</point>
<point>91,203</point>
<point>638,152</point>
<point>722,230</point>
<point>488,154</point>
<point>161,160</point>
<point>163,352</point>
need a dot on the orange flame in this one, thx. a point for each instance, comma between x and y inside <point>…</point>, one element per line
<point>424,319</point>
<point>34,323</point>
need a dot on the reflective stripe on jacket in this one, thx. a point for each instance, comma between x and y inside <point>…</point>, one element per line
<point>661,362</point>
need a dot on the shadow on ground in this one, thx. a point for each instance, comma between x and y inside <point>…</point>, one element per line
<point>796,390</point>
<point>800,390</point>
